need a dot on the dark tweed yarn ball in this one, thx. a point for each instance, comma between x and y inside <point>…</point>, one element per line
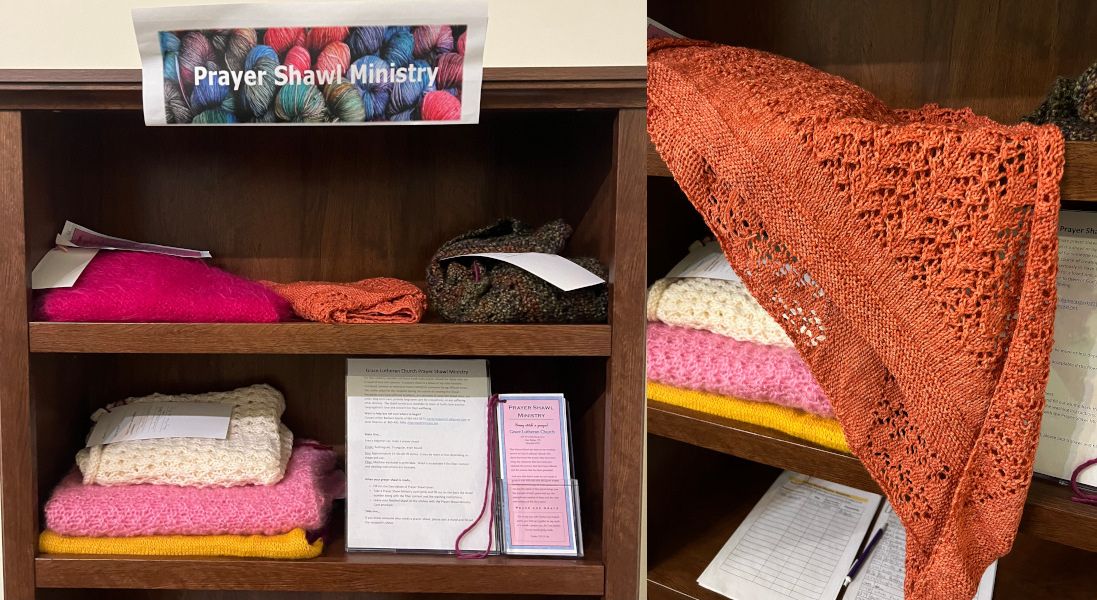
<point>1072,106</point>
<point>481,290</point>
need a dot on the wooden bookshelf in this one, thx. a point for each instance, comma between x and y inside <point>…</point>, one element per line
<point>320,203</point>
<point>1079,174</point>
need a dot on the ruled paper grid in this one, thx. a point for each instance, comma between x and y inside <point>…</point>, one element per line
<point>796,544</point>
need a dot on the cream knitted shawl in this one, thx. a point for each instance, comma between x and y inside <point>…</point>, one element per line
<point>256,450</point>
<point>722,307</point>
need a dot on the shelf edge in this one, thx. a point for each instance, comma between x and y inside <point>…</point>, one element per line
<point>423,339</point>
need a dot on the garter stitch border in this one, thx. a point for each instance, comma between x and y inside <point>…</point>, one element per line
<point>797,423</point>
<point>914,255</point>
<point>287,546</point>
<point>255,452</point>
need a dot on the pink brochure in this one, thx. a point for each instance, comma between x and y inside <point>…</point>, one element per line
<point>539,515</point>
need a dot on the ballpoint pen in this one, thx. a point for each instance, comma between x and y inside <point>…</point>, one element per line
<point>860,560</point>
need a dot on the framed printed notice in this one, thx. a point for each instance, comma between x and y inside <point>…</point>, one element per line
<point>367,63</point>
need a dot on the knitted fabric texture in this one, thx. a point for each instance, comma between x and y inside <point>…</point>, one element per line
<point>292,545</point>
<point>256,450</point>
<point>911,257</point>
<point>722,307</point>
<point>1071,105</point>
<point>481,290</point>
<point>376,300</point>
<point>703,361</point>
<point>302,499</point>
<point>139,287</point>
<point>796,423</point>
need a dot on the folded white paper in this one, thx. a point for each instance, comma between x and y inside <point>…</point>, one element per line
<point>61,267</point>
<point>553,268</point>
<point>157,420</point>
<point>78,236</point>
<point>705,260</point>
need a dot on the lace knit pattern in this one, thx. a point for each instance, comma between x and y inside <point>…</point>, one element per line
<point>722,307</point>
<point>302,499</point>
<point>288,546</point>
<point>256,450</point>
<point>701,360</point>
<point>910,256</point>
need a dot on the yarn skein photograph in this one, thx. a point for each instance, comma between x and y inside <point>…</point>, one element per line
<point>334,74</point>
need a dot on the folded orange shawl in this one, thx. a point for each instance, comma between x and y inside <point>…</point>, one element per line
<point>375,300</point>
<point>910,255</point>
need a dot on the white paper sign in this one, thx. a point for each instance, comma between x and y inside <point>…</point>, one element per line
<point>417,461</point>
<point>705,260</point>
<point>61,267</point>
<point>553,268</point>
<point>157,420</point>
<point>406,62</point>
<point>1068,433</point>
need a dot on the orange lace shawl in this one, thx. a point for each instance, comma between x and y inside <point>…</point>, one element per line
<point>911,256</point>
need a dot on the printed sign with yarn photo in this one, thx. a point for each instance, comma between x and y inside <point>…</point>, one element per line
<point>403,62</point>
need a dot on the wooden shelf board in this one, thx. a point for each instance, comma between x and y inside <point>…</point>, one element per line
<point>426,339</point>
<point>1049,513</point>
<point>335,571</point>
<point>1079,176</point>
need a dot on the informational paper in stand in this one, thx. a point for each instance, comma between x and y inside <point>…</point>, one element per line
<point>1068,433</point>
<point>796,544</point>
<point>417,465</point>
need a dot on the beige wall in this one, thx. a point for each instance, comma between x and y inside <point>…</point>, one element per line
<point>90,34</point>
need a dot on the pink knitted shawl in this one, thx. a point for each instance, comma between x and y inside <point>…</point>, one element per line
<point>302,499</point>
<point>138,287</point>
<point>701,360</point>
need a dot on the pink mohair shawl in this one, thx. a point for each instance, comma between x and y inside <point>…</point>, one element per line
<point>139,287</point>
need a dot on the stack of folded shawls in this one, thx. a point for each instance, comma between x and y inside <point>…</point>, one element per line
<point>253,494</point>
<point>713,348</point>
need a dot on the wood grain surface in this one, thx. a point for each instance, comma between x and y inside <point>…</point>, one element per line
<point>420,339</point>
<point>17,503</point>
